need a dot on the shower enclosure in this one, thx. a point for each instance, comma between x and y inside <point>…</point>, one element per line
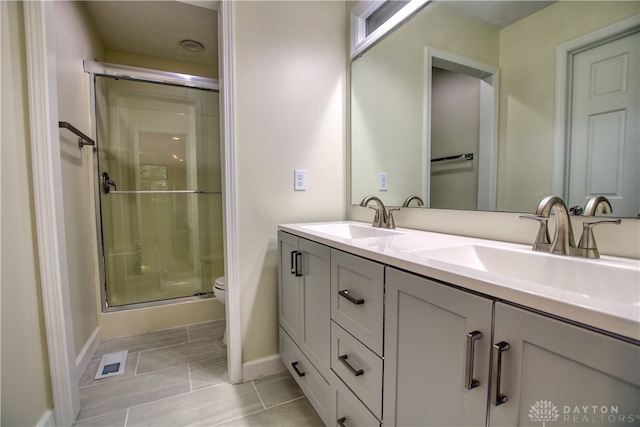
<point>159,185</point>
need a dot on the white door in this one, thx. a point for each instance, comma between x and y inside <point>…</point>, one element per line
<point>604,148</point>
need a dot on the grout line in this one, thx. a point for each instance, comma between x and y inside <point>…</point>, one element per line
<point>258,393</point>
<point>189,374</point>
<point>226,423</point>
<point>135,371</point>
<point>126,418</point>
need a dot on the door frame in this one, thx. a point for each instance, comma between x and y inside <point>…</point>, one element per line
<point>489,77</point>
<point>39,20</point>
<point>564,82</point>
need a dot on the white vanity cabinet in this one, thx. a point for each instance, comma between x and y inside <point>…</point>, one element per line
<point>373,341</point>
<point>304,315</point>
<point>437,344</point>
<point>561,374</point>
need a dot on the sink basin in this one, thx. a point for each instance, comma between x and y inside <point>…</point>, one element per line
<point>602,279</point>
<point>351,231</point>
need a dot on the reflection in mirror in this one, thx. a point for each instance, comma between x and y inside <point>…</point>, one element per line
<point>417,96</point>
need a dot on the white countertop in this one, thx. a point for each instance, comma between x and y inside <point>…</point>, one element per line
<point>409,250</point>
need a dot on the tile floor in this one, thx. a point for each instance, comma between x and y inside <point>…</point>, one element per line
<point>178,377</point>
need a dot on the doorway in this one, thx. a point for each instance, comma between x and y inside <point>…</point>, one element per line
<point>478,166</point>
<point>160,191</point>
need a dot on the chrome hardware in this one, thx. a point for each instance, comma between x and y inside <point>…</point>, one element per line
<point>497,398</point>
<point>295,264</point>
<point>543,241</point>
<point>594,202</point>
<point>381,219</point>
<point>412,198</point>
<point>294,365</point>
<point>82,138</point>
<point>392,223</point>
<point>354,371</point>
<point>470,382</point>
<point>563,242</point>
<point>588,241</point>
<point>342,421</point>
<point>467,156</point>
<point>108,185</point>
<point>576,210</point>
<point>345,294</point>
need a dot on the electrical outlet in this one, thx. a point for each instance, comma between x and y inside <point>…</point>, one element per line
<point>299,180</point>
<point>383,181</point>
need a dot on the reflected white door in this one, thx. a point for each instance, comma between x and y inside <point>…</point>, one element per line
<point>605,130</point>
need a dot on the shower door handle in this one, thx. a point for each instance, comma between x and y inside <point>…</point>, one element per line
<point>107,183</point>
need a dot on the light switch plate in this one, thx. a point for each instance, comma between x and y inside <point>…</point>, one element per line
<point>383,181</point>
<point>299,180</point>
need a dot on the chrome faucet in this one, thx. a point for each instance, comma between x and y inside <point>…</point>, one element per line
<point>563,242</point>
<point>412,198</point>
<point>588,240</point>
<point>593,203</point>
<point>383,218</point>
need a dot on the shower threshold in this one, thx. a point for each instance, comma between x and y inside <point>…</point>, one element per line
<point>133,306</point>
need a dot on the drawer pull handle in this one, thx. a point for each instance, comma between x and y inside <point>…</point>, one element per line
<point>470,382</point>
<point>346,294</point>
<point>294,365</point>
<point>342,422</point>
<point>294,263</point>
<point>354,371</point>
<point>497,398</point>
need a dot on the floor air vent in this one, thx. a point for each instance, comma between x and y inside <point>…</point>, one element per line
<point>112,364</point>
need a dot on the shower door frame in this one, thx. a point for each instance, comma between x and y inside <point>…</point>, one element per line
<point>100,69</point>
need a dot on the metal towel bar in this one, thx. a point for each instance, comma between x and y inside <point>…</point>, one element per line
<point>163,192</point>
<point>82,138</point>
<point>468,156</point>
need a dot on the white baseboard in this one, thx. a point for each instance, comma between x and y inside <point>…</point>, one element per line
<point>47,420</point>
<point>259,368</point>
<point>86,354</point>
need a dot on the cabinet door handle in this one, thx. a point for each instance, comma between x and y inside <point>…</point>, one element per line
<point>497,398</point>
<point>346,294</point>
<point>470,382</point>
<point>354,371</point>
<point>342,422</point>
<point>294,365</point>
<point>295,264</point>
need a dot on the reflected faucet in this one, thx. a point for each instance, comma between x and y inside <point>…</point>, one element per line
<point>592,205</point>
<point>412,198</point>
<point>563,242</point>
<point>383,218</point>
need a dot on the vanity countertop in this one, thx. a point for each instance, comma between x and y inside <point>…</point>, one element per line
<point>585,291</point>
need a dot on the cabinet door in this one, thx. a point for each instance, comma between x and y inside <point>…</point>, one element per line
<point>290,293</point>
<point>314,338</point>
<point>425,365</point>
<point>564,375</point>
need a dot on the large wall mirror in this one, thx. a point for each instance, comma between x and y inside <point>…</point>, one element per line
<point>493,105</point>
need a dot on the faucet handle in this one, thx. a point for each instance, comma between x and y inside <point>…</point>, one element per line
<point>588,240</point>
<point>543,241</point>
<point>376,218</point>
<point>390,222</point>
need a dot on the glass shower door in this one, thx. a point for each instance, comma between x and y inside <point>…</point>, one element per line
<point>160,190</point>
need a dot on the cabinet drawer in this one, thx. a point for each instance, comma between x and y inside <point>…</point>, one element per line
<point>357,297</point>
<point>306,375</point>
<point>347,409</point>
<point>358,367</point>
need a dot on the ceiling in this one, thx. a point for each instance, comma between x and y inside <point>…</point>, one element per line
<point>155,28</point>
<point>500,13</point>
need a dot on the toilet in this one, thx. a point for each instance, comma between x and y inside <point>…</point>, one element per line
<point>220,292</point>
